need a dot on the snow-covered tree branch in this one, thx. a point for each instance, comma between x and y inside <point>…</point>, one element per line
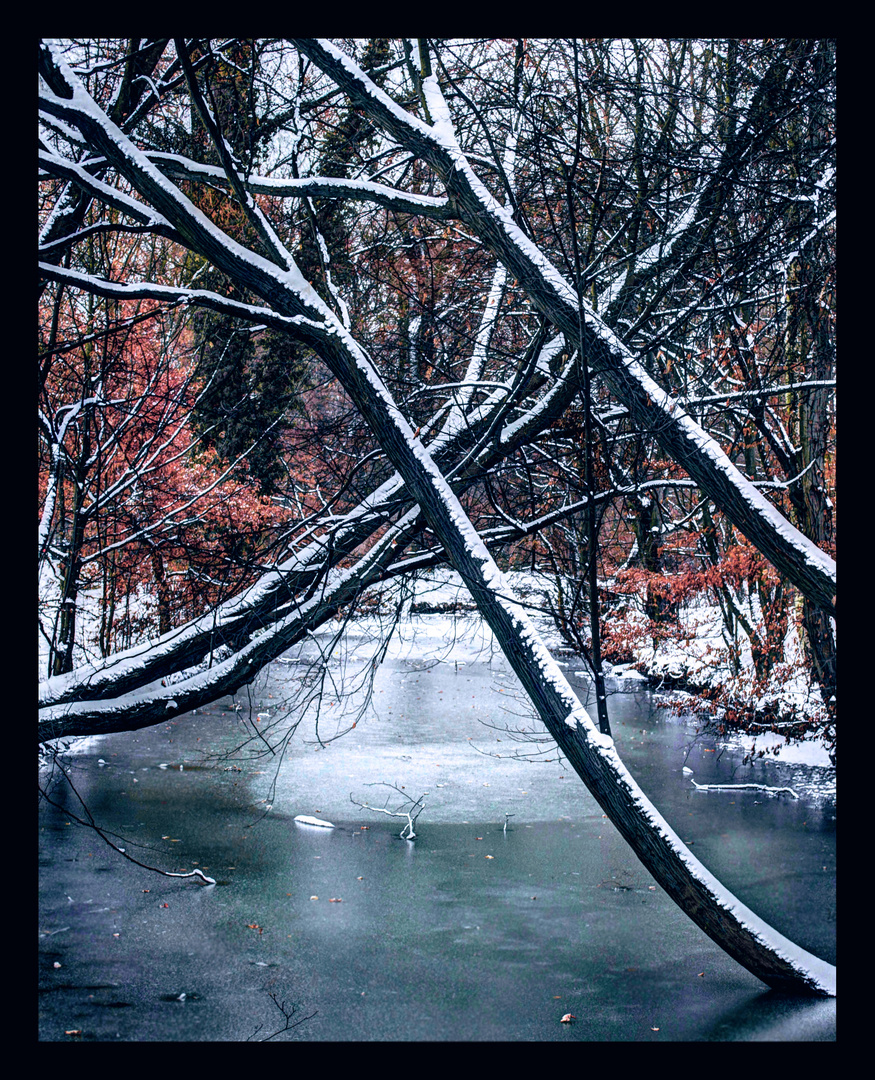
<point>523,366</point>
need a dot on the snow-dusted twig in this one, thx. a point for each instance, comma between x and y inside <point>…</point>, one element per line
<point>738,787</point>
<point>92,824</point>
<point>168,873</point>
<point>416,808</point>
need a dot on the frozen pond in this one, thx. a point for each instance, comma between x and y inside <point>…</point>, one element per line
<point>469,933</point>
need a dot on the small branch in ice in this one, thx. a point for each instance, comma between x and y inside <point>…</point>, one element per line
<point>288,1012</point>
<point>92,824</point>
<point>167,873</point>
<point>412,813</point>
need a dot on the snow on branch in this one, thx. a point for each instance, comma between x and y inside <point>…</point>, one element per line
<point>410,809</point>
<point>798,558</point>
<point>740,787</point>
<point>321,187</point>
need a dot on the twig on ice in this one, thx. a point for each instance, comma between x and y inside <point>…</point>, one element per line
<point>416,808</point>
<point>92,824</point>
<point>288,1012</point>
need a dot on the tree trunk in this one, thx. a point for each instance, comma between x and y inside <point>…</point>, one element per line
<point>768,955</point>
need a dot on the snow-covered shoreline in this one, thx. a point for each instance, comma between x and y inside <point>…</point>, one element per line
<point>439,620</point>
<point>436,620</point>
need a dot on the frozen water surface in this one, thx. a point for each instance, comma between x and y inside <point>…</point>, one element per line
<point>474,931</point>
